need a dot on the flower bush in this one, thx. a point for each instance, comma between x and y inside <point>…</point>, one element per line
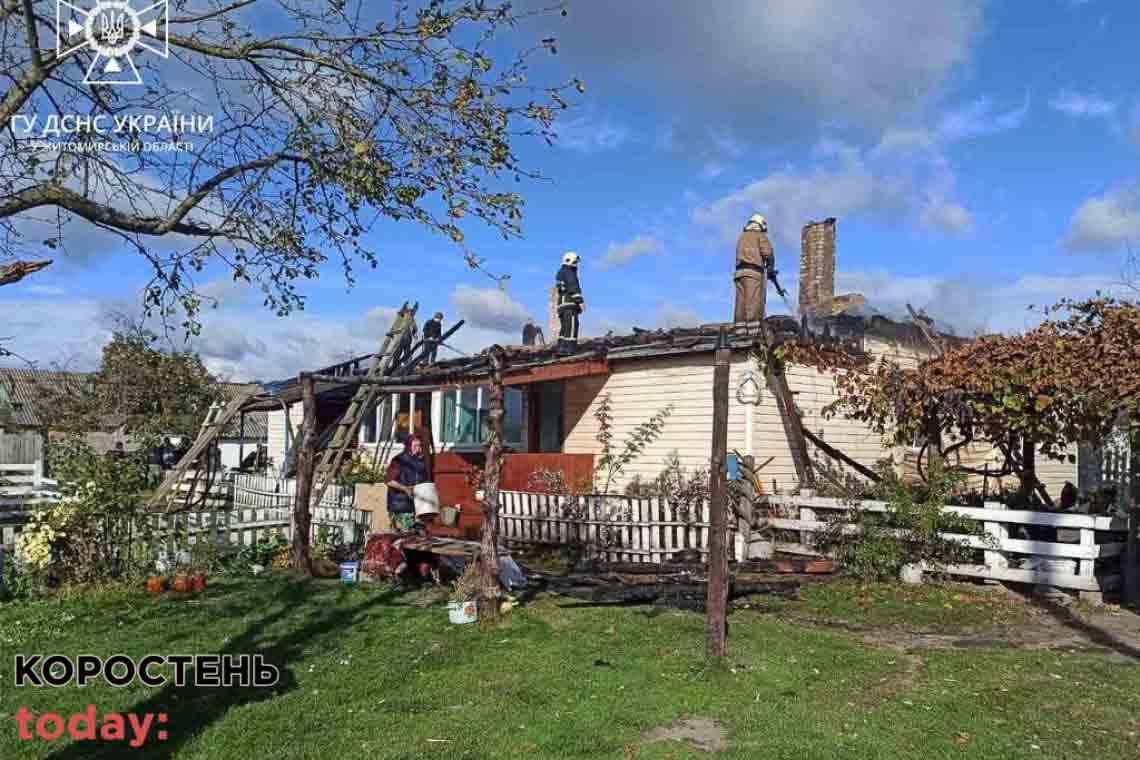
<point>361,469</point>
<point>96,532</point>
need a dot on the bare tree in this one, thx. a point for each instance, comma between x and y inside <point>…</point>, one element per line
<point>326,117</point>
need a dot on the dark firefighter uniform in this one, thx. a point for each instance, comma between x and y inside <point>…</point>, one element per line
<point>432,333</point>
<point>570,303</point>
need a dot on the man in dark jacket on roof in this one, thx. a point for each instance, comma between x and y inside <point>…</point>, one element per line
<point>433,332</point>
<point>570,303</point>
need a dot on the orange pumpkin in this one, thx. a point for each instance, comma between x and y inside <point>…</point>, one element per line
<point>156,584</point>
<point>181,584</point>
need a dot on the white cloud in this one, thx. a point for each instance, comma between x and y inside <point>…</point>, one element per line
<point>970,305</point>
<point>980,118</point>
<point>1082,105</point>
<point>589,134</point>
<point>619,254</point>
<point>905,176</point>
<point>948,215</point>
<point>44,290</point>
<point>772,69</point>
<point>1106,222</point>
<point>489,308</point>
<point>670,315</point>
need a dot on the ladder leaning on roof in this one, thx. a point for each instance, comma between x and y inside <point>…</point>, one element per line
<point>346,428</point>
<point>217,417</point>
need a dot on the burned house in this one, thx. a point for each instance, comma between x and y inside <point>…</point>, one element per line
<point>551,400</point>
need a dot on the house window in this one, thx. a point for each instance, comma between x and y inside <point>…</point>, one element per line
<point>390,418</point>
<point>403,415</point>
<point>464,416</point>
<point>368,425</point>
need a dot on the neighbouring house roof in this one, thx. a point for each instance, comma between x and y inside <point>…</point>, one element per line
<point>23,393</point>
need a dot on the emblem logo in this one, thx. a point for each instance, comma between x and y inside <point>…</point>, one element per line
<point>113,30</point>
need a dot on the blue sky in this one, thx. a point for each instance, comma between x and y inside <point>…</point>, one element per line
<point>980,158</point>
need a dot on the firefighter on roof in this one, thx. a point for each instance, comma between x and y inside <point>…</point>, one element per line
<point>570,302</point>
<point>755,263</point>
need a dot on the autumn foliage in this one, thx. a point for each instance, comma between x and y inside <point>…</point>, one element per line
<point>1067,381</point>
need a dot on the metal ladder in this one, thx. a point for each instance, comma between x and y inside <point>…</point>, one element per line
<point>344,436</point>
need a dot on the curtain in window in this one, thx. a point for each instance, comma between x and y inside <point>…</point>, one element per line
<point>513,417</point>
<point>469,431</point>
<point>447,417</point>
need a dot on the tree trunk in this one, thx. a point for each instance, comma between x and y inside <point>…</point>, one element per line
<point>306,461</point>
<point>717,602</point>
<point>489,590</point>
<point>1028,470</point>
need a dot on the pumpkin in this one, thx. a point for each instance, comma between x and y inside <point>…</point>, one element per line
<point>198,582</point>
<point>181,584</point>
<point>156,584</point>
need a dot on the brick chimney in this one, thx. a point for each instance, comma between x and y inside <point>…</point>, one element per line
<point>817,267</point>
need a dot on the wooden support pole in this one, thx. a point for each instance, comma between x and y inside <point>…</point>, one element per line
<point>717,601</point>
<point>489,590</point>
<point>306,462</point>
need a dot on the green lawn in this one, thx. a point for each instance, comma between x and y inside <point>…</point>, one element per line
<point>371,674</point>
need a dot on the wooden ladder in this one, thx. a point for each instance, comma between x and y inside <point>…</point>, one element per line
<point>217,417</point>
<point>332,456</point>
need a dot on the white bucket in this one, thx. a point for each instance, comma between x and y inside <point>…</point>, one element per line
<point>461,613</point>
<point>426,499</point>
<point>911,574</point>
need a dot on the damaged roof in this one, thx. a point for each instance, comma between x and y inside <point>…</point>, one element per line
<point>593,354</point>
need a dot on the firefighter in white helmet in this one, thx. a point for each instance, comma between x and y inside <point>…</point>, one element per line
<point>755,263</point>
<point>570,302</point>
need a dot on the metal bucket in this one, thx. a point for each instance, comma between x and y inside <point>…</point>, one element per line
<point>462,613</point>
<point>449,516</point>
<point>350,572</point>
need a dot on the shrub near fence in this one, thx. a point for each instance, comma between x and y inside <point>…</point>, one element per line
<point>1084,557</point>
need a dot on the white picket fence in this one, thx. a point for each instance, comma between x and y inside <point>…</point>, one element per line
<point>258,507</point>
<point>617,528</point>
<point>1085,557</point>
<point>22,488</point>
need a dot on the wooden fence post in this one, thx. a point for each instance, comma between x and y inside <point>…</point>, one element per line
<point>1131,558</point>
<point>998,533</point>
<point>717,601</point>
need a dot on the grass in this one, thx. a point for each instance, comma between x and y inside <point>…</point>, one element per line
<point>368,673</point>
<point>951,608</point>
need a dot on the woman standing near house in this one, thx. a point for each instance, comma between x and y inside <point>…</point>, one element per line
<point>406,471</point>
